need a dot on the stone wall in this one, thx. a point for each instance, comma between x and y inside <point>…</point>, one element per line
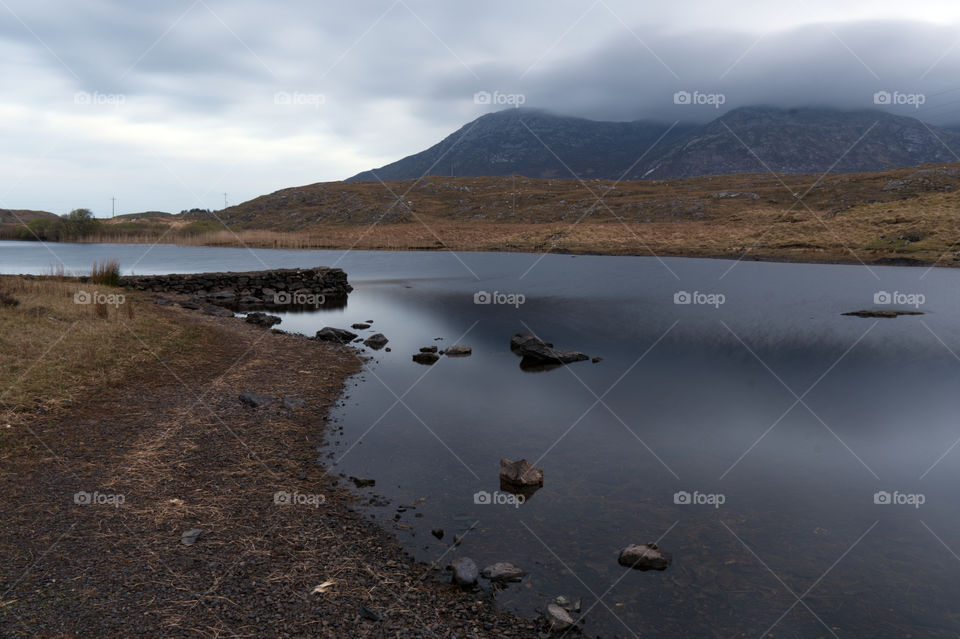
<point>277,287</point>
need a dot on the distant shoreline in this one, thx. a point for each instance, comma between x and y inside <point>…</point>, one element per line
<point>802,258</point>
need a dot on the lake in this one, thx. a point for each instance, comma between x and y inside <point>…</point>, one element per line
<point>799,464</point>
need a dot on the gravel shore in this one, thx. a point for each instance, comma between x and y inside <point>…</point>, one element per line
<point>97,498</point>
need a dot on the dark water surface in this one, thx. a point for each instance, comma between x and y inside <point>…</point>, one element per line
<point>772,402</point>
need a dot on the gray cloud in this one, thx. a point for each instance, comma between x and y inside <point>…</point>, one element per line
<point>182,98</point>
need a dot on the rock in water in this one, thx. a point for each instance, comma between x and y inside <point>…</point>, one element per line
<point>426,358</point>
<point>646,557</point>
<point>503,571</point>
<point>262,319</point>
<point>376,342</point>
<point>359,326</point>
<point>428,349</point>
<point>464,571</point>
<point>537,352</point>
<point>330,334</point>
<point>559,617</point>
<point>520,473</point>
<point>458,350</point>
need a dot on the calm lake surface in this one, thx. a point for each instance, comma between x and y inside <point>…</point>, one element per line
<point>796,418</point>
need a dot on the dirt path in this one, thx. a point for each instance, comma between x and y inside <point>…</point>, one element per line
<point>181,452</point>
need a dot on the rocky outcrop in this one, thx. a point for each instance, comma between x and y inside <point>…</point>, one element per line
<point>277,288</point>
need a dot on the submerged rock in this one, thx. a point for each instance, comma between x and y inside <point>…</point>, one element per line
<point>503,571</point>
<point>646,557</point>
<point>520,473</point>
<point>464,571</point>
<point>359,326</point>
<point>376,342</point>
<point>330,334</point>
<point>428,349</point>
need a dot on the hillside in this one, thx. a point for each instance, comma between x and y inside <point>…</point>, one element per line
<point>902,215</point>
<point>538,144</point>
<point>15,216</point>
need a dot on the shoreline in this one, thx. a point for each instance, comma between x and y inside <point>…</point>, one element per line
<point>185,454</point>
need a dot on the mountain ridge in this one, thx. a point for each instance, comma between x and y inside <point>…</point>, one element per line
<point>536,143</point>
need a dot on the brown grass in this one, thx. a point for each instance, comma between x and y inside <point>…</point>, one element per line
<point>55,348</point>
<point>902,213</point>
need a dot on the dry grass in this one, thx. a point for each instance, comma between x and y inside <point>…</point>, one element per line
<point>65,340</point>
<point>902,213</point>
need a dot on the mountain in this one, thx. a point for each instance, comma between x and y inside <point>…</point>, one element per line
<point>539,144</point>
<point>536,144</point>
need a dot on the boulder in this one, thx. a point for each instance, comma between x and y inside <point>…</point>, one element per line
<point>520,473</point>
<point>645,557</point>
<point>376,342</point>
<point>428,349</point>
<point>330,334</point>
<point>262,319</point>
<point>426,358</point>
<point>359,327</point>
<point>458,350</point>
<point>503,571</point>
<point>464,571</point>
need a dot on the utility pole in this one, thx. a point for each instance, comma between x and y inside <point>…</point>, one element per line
<point>113,207</point>
<point>224,200</point>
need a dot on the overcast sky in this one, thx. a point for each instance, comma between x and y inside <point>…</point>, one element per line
<point>168,105</point>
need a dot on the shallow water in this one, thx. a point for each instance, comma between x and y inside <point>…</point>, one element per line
<point>773,402</point>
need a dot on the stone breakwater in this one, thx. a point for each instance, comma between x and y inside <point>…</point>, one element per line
<point>277,287</point>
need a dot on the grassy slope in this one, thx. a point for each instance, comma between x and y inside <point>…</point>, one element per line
<point>902,213</point>
<point>55,350</point>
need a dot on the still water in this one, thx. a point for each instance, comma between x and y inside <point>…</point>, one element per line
<point>799,464</point>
